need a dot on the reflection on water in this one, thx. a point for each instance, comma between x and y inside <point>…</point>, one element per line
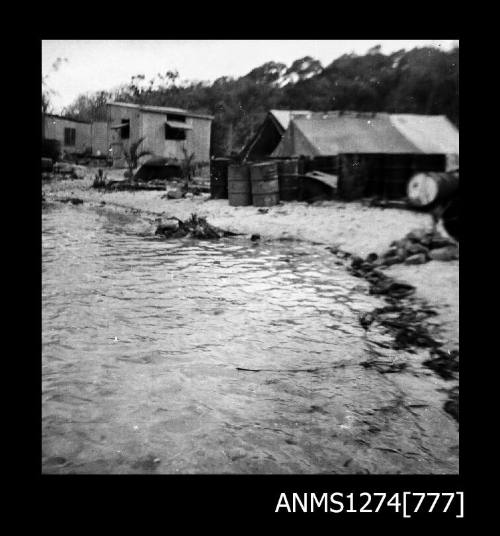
<point>144,341</point>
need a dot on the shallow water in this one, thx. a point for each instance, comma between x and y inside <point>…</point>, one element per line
<point>144,341</point>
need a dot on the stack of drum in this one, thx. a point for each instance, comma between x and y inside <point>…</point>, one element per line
<point>238,185</point>
<point>262,184</point>
<point>265,184</point>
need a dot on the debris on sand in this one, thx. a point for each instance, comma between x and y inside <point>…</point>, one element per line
<point>406,324</point>
<point>72,200</point>
<point>444,363</point>
<point>100,179</point>
<point>195,227</point>
<point>405,317</point>
<point>418,247</point>
<point>452,404</point>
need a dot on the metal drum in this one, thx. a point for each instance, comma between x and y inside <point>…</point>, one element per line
<point>265,184</point>
<point>288,178</point>
<point>239,186</point>
<point>425,189</point>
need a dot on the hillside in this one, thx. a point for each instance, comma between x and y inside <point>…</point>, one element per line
<point>421,80</point>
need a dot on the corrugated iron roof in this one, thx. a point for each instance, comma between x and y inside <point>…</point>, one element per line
<point>159,109</point>
<point>333,133</point>
<point>67,118</point>
<point>283,116</point>
<point>430,133</point>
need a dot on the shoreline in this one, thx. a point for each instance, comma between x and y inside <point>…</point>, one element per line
<point>350,226</point>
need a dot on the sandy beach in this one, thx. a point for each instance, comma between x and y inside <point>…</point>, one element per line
<point>352,226</point>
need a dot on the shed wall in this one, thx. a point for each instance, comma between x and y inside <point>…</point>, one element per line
<point>197,138</point>
<point>151,125</point>
<point>117,144</point>
<point>100,138</point>
<point>54,129</point>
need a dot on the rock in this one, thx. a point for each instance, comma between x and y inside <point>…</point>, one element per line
<point>263,210</point>
<point>366,319</point>
<point>395,289</point>
<point>438,242</point>
<point>371,257</point>
<point>375,276</point>
<point>419,258</point>
<point>391,252</point>
<point>255,237</point>
<point>175,194</point>
<point>63,167</point>
<point>401,253</point>
<point>448,253</point>
<point>167,227</point>
<point>417,235</point>
<point>79,172</point>
<point>388,261</point>
<point>357,262</point>
<point>414,247</point>
<point>343,254</point>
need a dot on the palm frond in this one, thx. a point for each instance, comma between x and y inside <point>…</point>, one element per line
<point>135,145</point>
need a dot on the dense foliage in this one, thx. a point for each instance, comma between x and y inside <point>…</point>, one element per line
<point>421,80</point>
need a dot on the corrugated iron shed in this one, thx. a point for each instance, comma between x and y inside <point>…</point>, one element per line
<point>335,133</point>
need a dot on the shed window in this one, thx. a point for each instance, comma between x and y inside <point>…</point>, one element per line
<point>70,136</point>
<point>125,130</point>
<point>174,133</point>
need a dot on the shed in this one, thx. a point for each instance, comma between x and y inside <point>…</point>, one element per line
<point>166,131</point>
<point>377,152</point>
<point>269,134</point>
<point>74,135</point>
<point>332,133</point>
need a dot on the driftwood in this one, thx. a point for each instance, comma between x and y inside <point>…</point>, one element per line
<point>342,364</point>
<point>195,227</point>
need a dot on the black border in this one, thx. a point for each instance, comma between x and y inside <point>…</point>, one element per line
<point>247,497</point>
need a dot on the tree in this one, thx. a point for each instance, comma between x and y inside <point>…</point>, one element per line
<point>48,92</point>
<point>133,154</point>
<point>421,80</point>
<point>303,68</point>
<point>89,107</point>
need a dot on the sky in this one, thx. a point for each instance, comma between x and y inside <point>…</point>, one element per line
<point>103,65</point>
